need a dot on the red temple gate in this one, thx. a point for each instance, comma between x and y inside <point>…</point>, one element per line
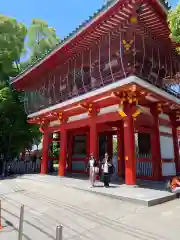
<point>118,74</point>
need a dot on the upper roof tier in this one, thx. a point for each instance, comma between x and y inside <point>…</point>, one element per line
<point>115,14</point>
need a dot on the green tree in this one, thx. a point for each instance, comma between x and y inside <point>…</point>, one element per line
<point>114,145</point>
<point>41,39</point>
<point>12,43</point>
<point>15,132</point>
<point>55,149</point>
<point>14,129</point>
<point>174,23</point>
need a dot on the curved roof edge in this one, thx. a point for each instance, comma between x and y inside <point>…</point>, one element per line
<point>164,6</point>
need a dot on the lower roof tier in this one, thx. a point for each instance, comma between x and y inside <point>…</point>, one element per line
<point>131,89</point>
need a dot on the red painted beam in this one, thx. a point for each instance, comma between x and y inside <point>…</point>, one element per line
<point>110,117</point>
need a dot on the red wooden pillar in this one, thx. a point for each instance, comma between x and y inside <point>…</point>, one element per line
<point>45,151</point>
<point>120,149</point>
<point>70,150</point>
<point>87,146</point>
<point>110,144</point>
<point>93,140</point>
<point>63,152</point>
<point>129,147</point>
<point>156,147</point>
<point>176,146</point>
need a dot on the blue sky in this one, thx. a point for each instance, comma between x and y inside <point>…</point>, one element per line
<point>63,15</point>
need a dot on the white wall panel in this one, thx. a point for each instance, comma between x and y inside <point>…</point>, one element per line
<point>168,169</point>
<point>78,117</point>
<point>167,148</point>
<point>164,116</point>
<point>113,108</point>
<point>54,123</point>
<point>163,129</point>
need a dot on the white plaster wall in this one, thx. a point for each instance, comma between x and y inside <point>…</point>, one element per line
<point>168,169</point>
<point>115,108</point>
<point>78,117</point>
<point>164,116</point>
<point>109,109</point>
<point>167,151</point>
<point>54,123</point>
<point>167,148</point>
<point>163,129</point>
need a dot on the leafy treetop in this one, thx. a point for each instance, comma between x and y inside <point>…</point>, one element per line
<point>174,23</point>
<point>41,38</point>
<point>12,43</point>
<point>15,133</point>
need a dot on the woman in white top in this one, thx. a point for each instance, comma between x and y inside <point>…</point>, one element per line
<point>92,165</point>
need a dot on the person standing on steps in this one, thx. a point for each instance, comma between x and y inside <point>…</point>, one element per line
<point>107,167</point>
<point>93,169</point>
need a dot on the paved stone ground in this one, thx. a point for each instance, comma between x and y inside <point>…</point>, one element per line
<point>143,194</point>
<point>85,216</point>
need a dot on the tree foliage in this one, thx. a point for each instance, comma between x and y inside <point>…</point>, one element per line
<point>114,145</point>
<point>12,43</point>
<point>41,38</point>
<point>15,132</point>
<point>174,23</point>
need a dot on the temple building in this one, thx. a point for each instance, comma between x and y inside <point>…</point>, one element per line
<point>118,75</point>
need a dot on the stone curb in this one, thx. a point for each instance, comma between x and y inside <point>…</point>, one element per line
<point>147,203</point>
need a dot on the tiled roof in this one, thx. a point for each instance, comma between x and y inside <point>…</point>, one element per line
<point>103,8</point>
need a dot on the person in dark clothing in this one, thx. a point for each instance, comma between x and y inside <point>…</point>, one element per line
<point>107,170</point>
<point>100,168</point>
<point>34,158</point>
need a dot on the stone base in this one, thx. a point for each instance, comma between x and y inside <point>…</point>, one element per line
<point>134,194</point>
